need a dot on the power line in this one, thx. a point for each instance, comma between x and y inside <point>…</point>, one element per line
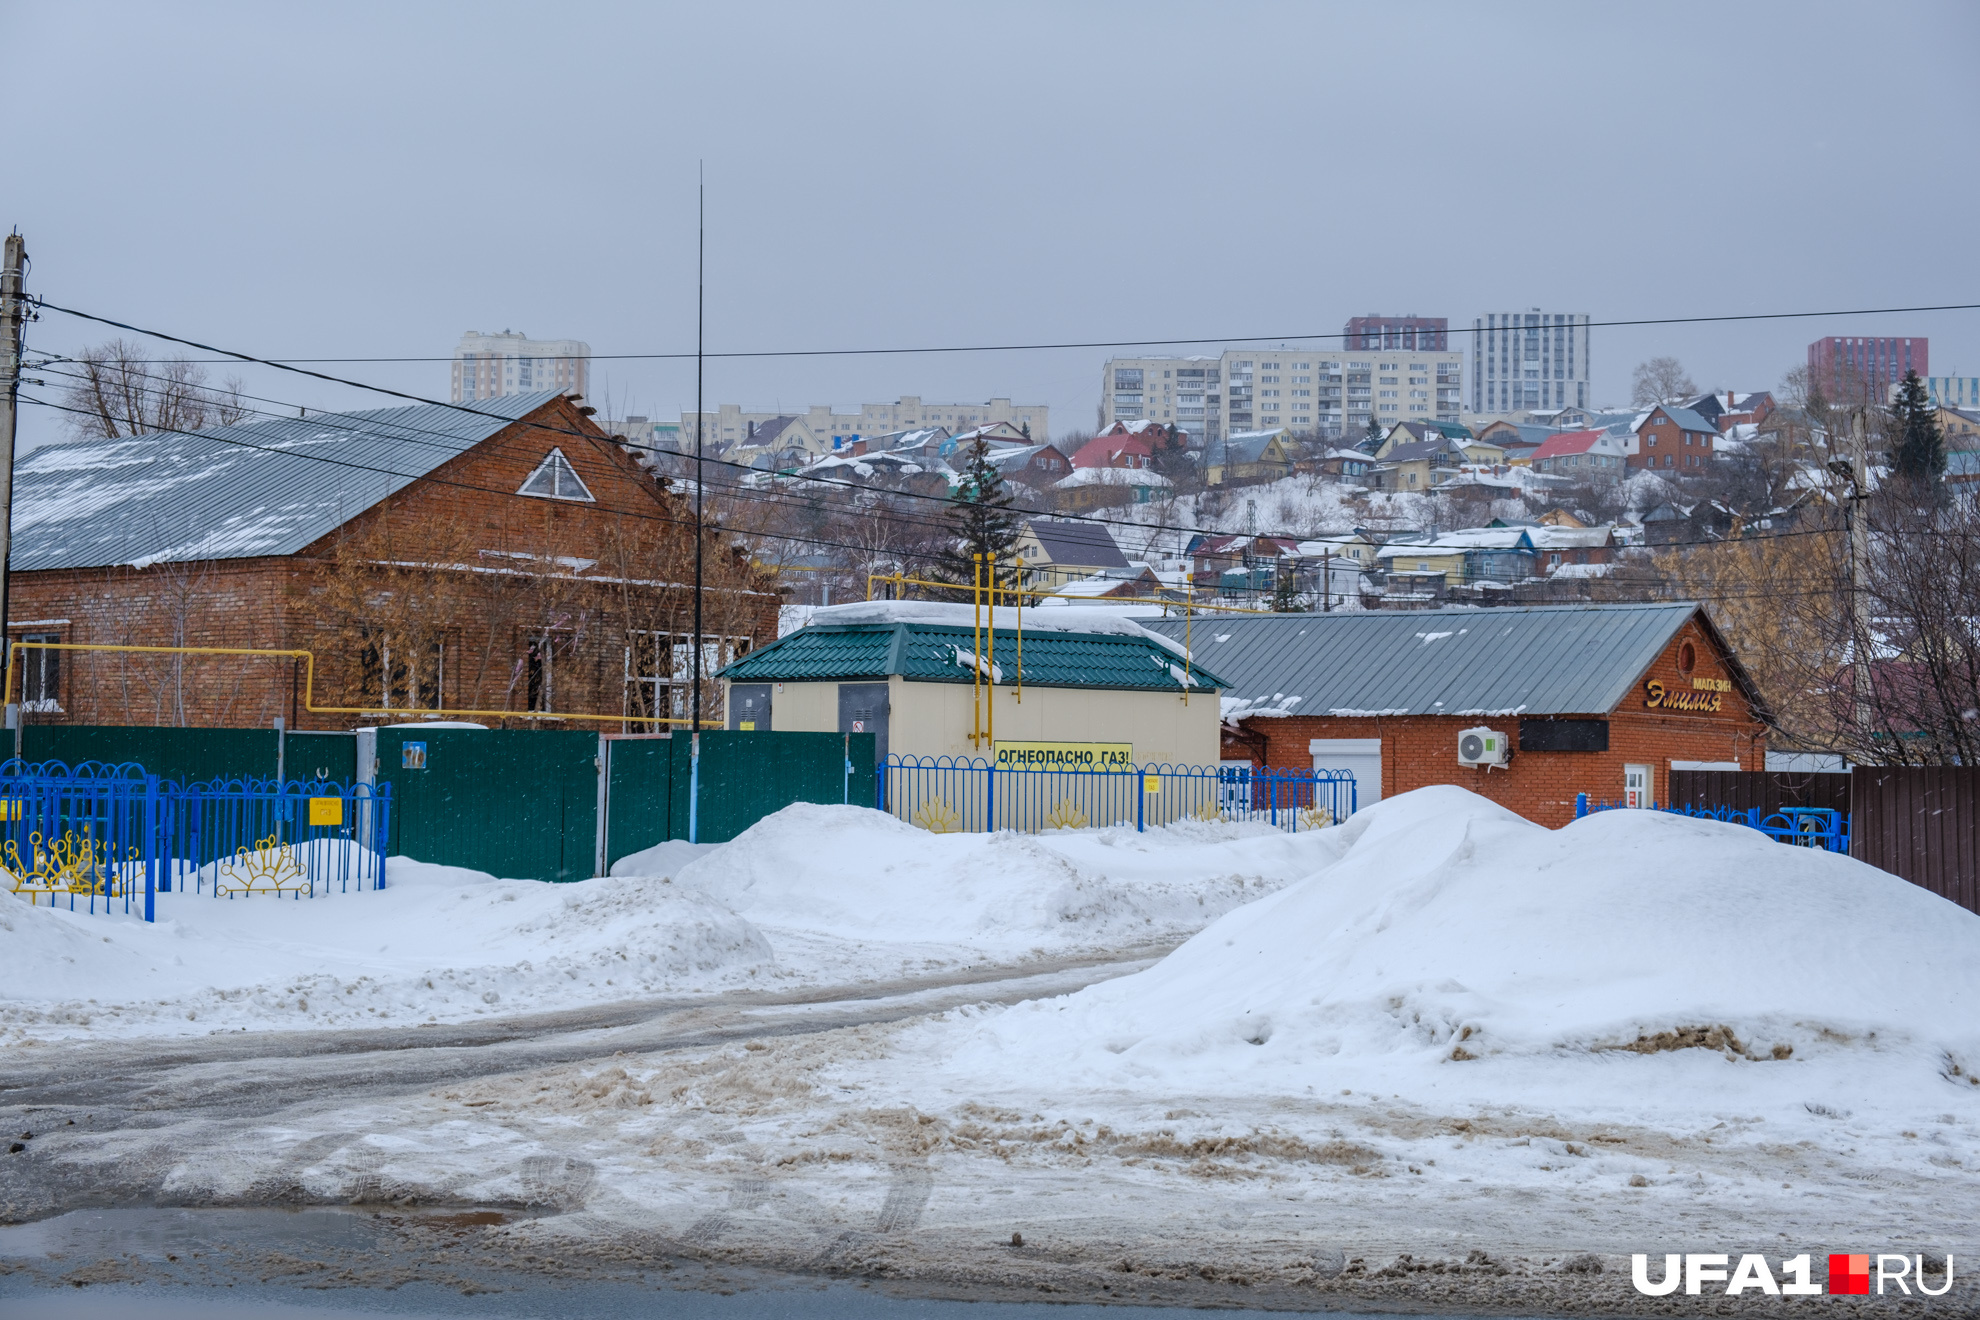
<point>947,500</point>
<point>1047,346</point>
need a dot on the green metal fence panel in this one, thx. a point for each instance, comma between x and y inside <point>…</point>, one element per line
<point>328,756</point>
<point>747,776</point>
<point>187,755</point>
<point>517,803</point>
<point>640,796</point>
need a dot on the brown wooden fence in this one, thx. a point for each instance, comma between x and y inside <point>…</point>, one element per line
<point>1768,790</point>
<point>1920,822</point>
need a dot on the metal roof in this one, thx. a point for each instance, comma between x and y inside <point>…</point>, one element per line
<point>1078,543</point>
<point>233,492</point>
<point>1537,660</point>
<point>934,653</point>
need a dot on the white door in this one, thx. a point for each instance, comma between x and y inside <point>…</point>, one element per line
<point>1636,786</point>
<point>1361,757</point>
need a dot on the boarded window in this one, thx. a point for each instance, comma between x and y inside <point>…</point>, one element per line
<point>1563,735</point>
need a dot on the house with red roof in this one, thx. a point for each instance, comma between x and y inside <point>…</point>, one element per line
<point>1581,456</point>
<point>1114,451</point>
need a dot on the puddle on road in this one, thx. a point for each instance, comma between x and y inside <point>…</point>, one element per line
<point>328,1263</point>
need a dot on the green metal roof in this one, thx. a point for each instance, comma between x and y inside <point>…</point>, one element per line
<point>933,653</point>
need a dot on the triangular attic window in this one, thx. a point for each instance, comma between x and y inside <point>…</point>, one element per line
<point>556,479</point>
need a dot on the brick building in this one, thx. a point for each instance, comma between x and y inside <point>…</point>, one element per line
<point>1669,437</point>
<point>1854,368</point>
<point>513,558</point>
<point>1596,699</point>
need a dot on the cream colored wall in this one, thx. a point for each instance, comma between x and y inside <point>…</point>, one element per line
<point>800,707</point>
<point>934,719</point>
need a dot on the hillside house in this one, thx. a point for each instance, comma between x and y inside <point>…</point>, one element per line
<point>1581,456</point>
<point>1247,457</point>
<point>1670,438</point>
<point>1055,552</point>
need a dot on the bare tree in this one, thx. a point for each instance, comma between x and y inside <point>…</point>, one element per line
<point>1661,380</point>
<point>115,391</point>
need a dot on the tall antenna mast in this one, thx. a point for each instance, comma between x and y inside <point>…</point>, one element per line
<point>700,283</point>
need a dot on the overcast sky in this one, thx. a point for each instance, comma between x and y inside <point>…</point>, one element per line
<point>347,180</point>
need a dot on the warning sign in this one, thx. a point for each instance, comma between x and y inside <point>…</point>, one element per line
<point>1064,756</point>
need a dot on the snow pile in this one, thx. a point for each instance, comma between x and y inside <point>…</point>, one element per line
<point>1456,947</point>
<point>1074,618</point>
<point>438,943</point>
<point>852,873</point>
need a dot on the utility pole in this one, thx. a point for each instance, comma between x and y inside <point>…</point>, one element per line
<point>700,282</point>
<point>12,312</point>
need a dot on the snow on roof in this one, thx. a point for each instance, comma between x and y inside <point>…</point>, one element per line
<point>1105,476</point>
<point>232,492</point>
<point>959,614</point>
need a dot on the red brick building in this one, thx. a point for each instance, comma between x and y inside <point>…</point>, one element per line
<point>427,558</point>
<point>1673,439</point>
<point>1595,699</point>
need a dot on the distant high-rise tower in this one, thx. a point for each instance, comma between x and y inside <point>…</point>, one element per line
<point>1846,365</point>
<point>1421,334</point>
<point>1529,361</point>
<point>489,366</point>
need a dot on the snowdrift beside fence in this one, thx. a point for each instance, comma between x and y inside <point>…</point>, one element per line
<point>853,873</point>
<point>437,944</point>
<point>1457,949</point>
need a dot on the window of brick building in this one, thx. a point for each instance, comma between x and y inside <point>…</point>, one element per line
<point>41,674</point>
<point>403,677</point>
<point>556,479</point>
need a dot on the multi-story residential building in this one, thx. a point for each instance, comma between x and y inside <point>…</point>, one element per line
<point>730,423</point>
<point>1528,361</point>
<point>490,366</point>
<point>1844,365</point>
<point>1308,391</point>
<point>1952,391</point>
<point>1429,333</point>
<point>1176,391</point>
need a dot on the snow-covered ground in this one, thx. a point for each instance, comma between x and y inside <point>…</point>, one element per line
<point>1437,1055</point>
<point>812,896</point>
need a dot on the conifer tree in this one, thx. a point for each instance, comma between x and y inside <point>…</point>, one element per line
<point>1918,449</point>
<point>981,521</point>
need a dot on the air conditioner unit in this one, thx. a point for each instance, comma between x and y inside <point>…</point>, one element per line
<point>1483,747</point>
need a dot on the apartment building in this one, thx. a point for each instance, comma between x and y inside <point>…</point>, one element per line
<point>1176,391</point>
<point>1432,334</point>
<point>1845,365</point>
<point>1528,361</point>
<point>1320,392</point>
<point>1952,391</point>
<point>490,366</point>
<point>730,423</point>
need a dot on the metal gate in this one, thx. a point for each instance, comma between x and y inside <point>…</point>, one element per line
<point>513,802</point>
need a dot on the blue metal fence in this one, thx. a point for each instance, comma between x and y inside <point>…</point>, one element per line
<point>292,838</point>
<point>1804,827</point>
<point>96,835</point>
<point>969,794</point>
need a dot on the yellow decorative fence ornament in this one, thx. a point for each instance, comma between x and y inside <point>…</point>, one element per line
<point>937,817</point>
<point>70,865</point>
<point>1066,816</point>
<point>269,868</point>
<point>1315,818</point>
